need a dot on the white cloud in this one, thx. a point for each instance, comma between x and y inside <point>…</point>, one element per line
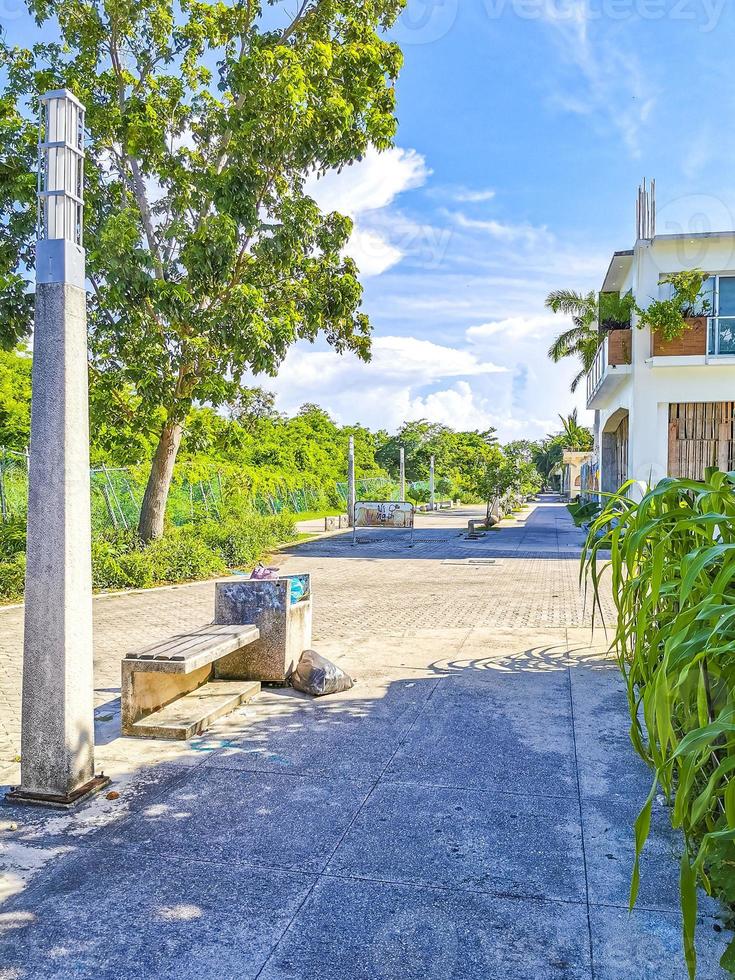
<point>522,232</point>
<point>466,196</point>
<point>513,328</point>
<point>459,407</point>
<point>370,184</point>
<point>365,191</point>
<point>422,361</point>
<point>373,253</point>
<point>615,88</point>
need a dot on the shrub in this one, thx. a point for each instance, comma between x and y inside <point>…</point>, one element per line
<point>673,567</point>
<point>668,316</point>
<point>12,577</point>
<point>241,541</point>
<point>12,537</point>
<point>182,555</point>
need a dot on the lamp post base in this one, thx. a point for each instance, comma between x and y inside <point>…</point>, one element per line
<point>62,802</point>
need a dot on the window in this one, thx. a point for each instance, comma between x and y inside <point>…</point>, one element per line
<point>716,301</point>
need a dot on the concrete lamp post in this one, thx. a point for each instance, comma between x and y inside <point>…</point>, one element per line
<point>402,470</point>
<point>431,483</point>
<point>57,734</point>
<point>351,489</point>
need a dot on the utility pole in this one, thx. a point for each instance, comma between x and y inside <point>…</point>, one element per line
<point>57,733</point>
<point>351,492</point>
<point>403,474</point>
<point>431,482</point>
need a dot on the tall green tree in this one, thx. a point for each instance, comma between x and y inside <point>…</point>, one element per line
<point>206,256</point>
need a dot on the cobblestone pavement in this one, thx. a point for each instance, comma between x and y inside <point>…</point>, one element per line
<point>382,586</point>
<point>463,813</point>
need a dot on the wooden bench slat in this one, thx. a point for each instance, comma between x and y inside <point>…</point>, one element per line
<point>187,652</point>
<point>179,641</point>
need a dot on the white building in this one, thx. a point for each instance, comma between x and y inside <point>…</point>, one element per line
<point>666,409</point>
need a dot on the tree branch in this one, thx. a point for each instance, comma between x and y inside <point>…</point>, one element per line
<point>138,184</point>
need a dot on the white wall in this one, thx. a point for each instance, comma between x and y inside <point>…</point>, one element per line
<point>647,392</point>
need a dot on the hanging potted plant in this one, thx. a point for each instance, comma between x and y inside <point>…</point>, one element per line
<point>679,324</point>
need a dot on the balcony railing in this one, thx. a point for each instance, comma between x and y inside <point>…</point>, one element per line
<point>611,362</point>
<point>596,373</point>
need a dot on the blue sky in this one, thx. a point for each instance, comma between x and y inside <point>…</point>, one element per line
<point>525,129</point>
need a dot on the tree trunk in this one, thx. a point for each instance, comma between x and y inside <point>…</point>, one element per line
<point>153,509</point>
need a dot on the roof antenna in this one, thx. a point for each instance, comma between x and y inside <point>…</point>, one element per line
<point>645,212</point>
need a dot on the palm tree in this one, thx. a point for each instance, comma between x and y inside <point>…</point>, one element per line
<point>593,315</point>
<point>583,339</point>
<point>576,437</point>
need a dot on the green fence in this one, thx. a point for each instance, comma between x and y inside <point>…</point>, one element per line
<point>374,488</point>
<point>117,495</point>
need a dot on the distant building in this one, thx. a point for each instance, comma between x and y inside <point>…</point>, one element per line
<point>573,476</point>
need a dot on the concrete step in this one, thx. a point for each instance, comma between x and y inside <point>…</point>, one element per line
<point>194,712</point>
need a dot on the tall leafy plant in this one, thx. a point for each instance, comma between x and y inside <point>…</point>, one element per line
<point>672,564</point>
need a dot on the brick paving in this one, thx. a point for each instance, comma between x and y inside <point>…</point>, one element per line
<point>382,586</point>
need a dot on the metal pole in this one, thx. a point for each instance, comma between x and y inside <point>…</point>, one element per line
<point>431,483</point>
<point>57,726</point>
<point>351,490</point>
<point>3,504</point>
<point>403,475</point>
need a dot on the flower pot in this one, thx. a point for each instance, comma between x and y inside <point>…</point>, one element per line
<point>693,341</point>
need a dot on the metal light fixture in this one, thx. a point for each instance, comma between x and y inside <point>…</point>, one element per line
<point>60,256</point>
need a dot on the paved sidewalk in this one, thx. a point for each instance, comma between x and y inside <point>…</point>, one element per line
<point>464,812</point>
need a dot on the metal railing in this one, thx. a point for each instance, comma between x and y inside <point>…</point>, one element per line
<point>596,373</point>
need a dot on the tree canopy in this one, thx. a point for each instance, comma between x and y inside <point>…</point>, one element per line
<point>206,256</point>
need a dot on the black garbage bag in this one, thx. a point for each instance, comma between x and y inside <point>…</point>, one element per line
<point>316,675</point>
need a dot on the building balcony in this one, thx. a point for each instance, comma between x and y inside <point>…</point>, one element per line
<point>707,340</point>
<point>611,366</point>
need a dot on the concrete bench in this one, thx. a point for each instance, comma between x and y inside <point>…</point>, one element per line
<point>173,688</point>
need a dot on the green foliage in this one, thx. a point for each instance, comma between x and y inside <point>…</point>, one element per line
<point>668,316</point>
<point>615,312</point>
<point>242,541</point>
<point>206,256</point>
<point>15,399</point>
<point>584,512</point>
<point>510,472</point>
<point>592,315</point>
<point>574,437</point>
<point>548,454</point>
<point>12,537</point>
<point>12,577</point>
<point>672,567</point>
<point>460,457</point>
<point>197,551</point>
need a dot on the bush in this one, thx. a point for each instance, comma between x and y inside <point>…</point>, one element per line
<point>12,577</point>
<point>241,541</point>
<point>12,538</point>
<point>182,555</point>
<point>196,551</point>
